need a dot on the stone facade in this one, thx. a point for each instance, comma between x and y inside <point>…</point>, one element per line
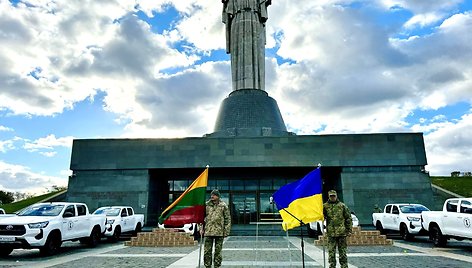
<point>366,169</point>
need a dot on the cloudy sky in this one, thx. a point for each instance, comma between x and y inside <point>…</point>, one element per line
<point>157,68</point>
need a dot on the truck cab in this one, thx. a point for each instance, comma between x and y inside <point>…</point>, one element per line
<point>120,219</point>
<point>404,218</point>
<point>454,221</point>
<point>47,225</point>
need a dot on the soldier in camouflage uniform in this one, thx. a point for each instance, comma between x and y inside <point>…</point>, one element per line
<point>217,227</point>
<point>338,227</point>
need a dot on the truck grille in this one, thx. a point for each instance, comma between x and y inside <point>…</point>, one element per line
<point>12,229</point>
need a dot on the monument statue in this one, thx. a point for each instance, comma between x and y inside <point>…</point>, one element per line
<point>245,41</point>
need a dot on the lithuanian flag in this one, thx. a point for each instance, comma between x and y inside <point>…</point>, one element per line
<point>190,206</point>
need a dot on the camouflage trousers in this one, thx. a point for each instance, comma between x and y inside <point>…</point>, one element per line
<point>341,243</point>
<point>207,255</point>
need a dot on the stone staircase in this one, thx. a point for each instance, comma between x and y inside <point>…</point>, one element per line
<point>361,238</point>
<point>162,238</point>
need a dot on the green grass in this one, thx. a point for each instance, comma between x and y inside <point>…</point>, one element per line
<point>459,185</point>
<point>15,206</point>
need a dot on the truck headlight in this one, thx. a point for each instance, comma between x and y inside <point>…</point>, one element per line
<point>110,221</point>
<point>38,225</point>
<point>413,218</point>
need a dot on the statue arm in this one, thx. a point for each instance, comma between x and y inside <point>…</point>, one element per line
<point>263,9</point>
<point>226,19</point>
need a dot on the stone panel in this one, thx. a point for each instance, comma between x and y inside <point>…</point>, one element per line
<point>362,190</point>
<point>355,150</point>
<point>110,188</point>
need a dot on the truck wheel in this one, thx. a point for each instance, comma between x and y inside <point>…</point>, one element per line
<point>196,233</point>
<point>116,235</point>
<point>311,233</point>
<point>437,237</point>
<point>53,243</point>
<point>404,233</point>
<point>5,251</point>
<point>94,238</point>
<point>379,227</point>
<point>137,229</point>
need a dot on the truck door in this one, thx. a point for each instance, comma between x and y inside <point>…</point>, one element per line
<point>131,219</point>
<point>465,219</point>
<point>83,222</point>
<point>450,218</point>
<point>395,218</point>
<point>124,220</point>
<point>69,222</point>
<point>387,217</point>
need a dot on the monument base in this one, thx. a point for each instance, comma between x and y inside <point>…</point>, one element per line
<point>249,113</point>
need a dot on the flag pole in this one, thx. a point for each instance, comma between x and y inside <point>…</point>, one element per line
<point>322,232</point>
<point>301,233</point>
<point>202,238</point>
<point>324,245</point>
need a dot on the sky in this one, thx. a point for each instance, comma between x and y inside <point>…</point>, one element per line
<point>158,69</point>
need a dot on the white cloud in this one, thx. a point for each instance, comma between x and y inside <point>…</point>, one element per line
<point>6,145</point>
<point>422,20</point>
<point>421,6</point>
<point>6,129</point>
<point>449,145</point>
<point>48,143</point>
<point>75,50</point>
<point>18,178</point>
<point>48,154</point>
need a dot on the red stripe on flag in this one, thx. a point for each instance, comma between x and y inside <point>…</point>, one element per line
<point>186,215</point>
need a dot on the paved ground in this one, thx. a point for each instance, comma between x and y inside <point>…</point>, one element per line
<point>249,252</point>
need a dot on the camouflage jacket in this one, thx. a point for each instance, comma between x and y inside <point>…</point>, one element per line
<point>217,219</point>
<point>338,219</point>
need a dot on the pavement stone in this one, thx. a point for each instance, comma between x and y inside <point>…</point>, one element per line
<point>249,251</point>
<point>406,261</point>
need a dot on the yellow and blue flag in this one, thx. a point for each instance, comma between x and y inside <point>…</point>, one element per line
<point>301,199</point>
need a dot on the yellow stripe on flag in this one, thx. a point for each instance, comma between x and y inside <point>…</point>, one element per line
<point>307,209</point>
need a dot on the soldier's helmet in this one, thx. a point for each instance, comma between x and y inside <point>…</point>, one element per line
<point>215,192</point>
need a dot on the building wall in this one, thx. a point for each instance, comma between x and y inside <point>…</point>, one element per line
<point>368,169</point>
<point>394,149</point>
<point>367,186</point>
<point>99,188</point>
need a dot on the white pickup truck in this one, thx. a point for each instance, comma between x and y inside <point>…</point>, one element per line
<point>454,221</point>
<point>403,218</point>
<point>47,225</point>
<point>120,220</point>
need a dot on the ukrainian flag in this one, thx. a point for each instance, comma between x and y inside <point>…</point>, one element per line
<point>302,199</point>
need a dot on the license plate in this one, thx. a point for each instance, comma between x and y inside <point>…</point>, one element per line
<point>7,239</point>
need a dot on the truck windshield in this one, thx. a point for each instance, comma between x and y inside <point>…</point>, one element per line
<point>413,208</point>
<point>107,211</point>
<point>42,210</point>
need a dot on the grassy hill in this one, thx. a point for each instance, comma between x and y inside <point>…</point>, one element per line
<point>15,206</point>
<point>459,185</point>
